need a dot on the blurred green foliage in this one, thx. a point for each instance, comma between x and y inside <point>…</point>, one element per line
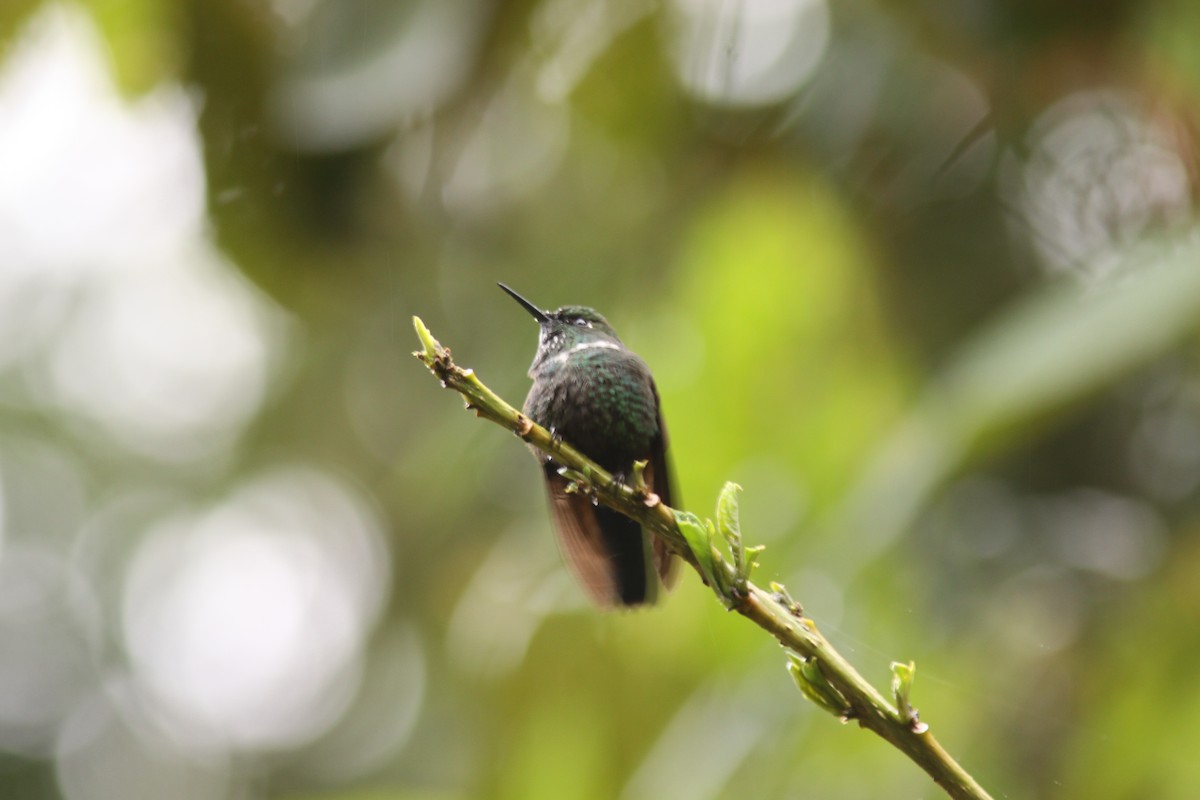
<point>934,304</point>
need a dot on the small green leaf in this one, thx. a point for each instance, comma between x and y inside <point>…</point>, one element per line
<point>731,529</point>
<point>813,685</point>
<point>721,571</point>
<point>752,560</point>
<point>902,681</point>
<point>699,541</point>
<point>727,513</point>
<point>699,535</point>
<point>432,348</point>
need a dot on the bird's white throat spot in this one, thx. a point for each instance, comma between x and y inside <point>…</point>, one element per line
<point>564,355</point>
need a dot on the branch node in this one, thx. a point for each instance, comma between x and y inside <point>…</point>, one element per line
<point>524,426</point>
<point>779,594</point>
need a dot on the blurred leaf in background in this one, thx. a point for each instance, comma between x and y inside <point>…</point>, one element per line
<point>923,280</point>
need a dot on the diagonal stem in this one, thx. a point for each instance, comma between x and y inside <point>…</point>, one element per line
<point>772,611</point>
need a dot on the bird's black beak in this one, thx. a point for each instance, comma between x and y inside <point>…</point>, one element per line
<point>538,314</point>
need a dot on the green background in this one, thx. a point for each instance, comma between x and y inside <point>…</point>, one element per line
<point>922,277</point>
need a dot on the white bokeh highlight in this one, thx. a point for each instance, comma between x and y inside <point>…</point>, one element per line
<point>747,52</point>
<point>113,299</point>
<point>245,622</point>
<point>1100,173</point>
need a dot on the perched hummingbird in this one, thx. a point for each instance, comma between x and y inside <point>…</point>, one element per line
<point>598,396</point>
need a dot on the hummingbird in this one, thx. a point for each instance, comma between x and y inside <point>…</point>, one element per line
<point>598,396</point>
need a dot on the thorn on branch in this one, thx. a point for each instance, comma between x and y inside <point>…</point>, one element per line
<point>524,425</point>
<point>779,594</point>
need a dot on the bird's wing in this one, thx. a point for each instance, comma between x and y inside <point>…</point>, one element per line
<point>602,547</point>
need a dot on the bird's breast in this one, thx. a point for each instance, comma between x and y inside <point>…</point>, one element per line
<point>599,399</point>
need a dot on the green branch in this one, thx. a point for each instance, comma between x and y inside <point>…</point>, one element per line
<point>821,673</point>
